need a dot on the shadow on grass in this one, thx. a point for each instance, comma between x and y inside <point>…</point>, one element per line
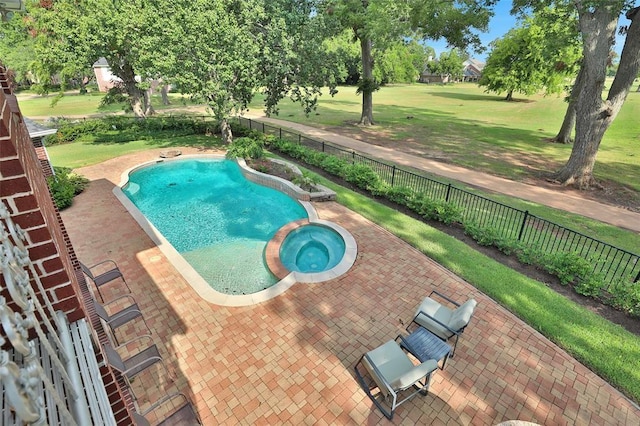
<point>163,139</point>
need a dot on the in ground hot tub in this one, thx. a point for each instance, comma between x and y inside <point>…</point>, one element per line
<point>312,248</point>
<point>311,251</point>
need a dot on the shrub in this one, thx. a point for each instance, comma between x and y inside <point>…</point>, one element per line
<point>245,147</point>
<point>567,266</point>
<point>64,185</point>
<point>625,295</point>
<point>362,176</point>
<point>334,165</point>
<point>440,210</point>
<point>400,194</point>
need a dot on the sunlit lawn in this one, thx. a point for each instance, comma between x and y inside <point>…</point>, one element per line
<point>478,130</point>
<point>74,104</point>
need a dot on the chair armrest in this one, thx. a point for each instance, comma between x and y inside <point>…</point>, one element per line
<point>405,343</point>
<point>436,321</point>
<point>103,262</point>
<point>415,374</point>
<point>444,297</point>
<point>144,336</point>
<point>164,400</point>
<point>124,296</point>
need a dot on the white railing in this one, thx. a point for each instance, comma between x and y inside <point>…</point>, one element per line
<point>40,377</point>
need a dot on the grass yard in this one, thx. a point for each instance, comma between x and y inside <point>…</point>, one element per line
<point>461,124</point>
<point>74,104</point>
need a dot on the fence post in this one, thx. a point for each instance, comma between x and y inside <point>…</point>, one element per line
<point>250,124</point>
<point>299,139</point>
<point>524,222</point>
<point>637,278</point>
<point>322,146</point>
<point>262,127</point>
<point>280,130</point>
<point>446,198</point>
<point>393,175</point>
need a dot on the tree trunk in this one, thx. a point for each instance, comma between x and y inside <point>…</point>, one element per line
<point>148,108</point>
<point>367,87</point>
<point>225,130</point>
<point>128,76</point>
<point>164,92</point>
<point>509,97</point>
<point>569,122</point>
<point>593,115</point>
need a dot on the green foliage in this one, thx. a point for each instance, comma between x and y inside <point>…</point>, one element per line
<point>69,131</point>
<point>450,63</point>
<point>539,54</point>
<point>64,185</point>
<point>306,181</point>
<point>567,266</point>
<point>247,148</point>
<point>625,295</point>
<point>367,85</point>
<point>362,176</point>
<point>439,210</point>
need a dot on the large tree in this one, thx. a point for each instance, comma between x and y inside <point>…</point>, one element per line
<point>376,23</point>
<point>598,23</point>
<point>540,54</point>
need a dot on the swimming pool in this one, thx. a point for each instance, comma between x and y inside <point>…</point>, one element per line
<point>215,218</point>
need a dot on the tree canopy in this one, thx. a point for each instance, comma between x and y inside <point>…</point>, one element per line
<point>540,54</point>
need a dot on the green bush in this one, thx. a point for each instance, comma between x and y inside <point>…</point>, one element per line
<point>439,210</point>
<point>246,147</point>
<point>400,194</point>
<point>625,295</point>
<point>568,266</point>
<point>64,185</point>
<point>362,176</point>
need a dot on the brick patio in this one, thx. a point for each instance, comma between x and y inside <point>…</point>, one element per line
<point>290,360</point>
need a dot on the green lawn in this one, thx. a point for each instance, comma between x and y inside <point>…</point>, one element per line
<point>74,104</point>
<point>477,130</point>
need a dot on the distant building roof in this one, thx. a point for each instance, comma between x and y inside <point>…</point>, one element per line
<point>36,129</point>
<point>102,62</point>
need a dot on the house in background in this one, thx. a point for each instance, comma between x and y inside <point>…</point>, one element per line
<point>104,77</point>
<point>472,71</point>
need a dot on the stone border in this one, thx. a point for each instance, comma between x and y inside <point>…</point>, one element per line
<point>283,185</point>
<point>198,283</point>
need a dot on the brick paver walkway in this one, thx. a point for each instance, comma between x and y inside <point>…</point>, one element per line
<point>290,360</point>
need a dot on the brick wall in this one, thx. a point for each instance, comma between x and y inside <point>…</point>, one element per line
<point>24,191</point>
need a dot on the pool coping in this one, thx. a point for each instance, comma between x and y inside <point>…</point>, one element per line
<point>272,253</point>
<point>196,281</point>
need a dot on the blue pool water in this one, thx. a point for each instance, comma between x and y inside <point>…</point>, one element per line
<point>219,221</point>
<point>312,248</point>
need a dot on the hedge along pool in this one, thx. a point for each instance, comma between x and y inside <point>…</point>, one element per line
<point>213,224</point>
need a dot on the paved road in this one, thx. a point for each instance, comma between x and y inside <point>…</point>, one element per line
<point>570,201</point>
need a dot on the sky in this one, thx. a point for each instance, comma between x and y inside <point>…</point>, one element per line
<point>502,22</point>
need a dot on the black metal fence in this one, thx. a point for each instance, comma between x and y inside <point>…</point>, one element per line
<point>511,223</point>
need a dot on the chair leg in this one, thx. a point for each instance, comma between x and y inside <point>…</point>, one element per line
<point>388,414</point>
<point>454,347</point>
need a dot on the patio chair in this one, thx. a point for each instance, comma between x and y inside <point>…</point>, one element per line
<point>121,317</point>
<point>393,373</point>
<point>442,321</point>
<point>135,364</point>
<point>102,278</point>
<point>180,414</point>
